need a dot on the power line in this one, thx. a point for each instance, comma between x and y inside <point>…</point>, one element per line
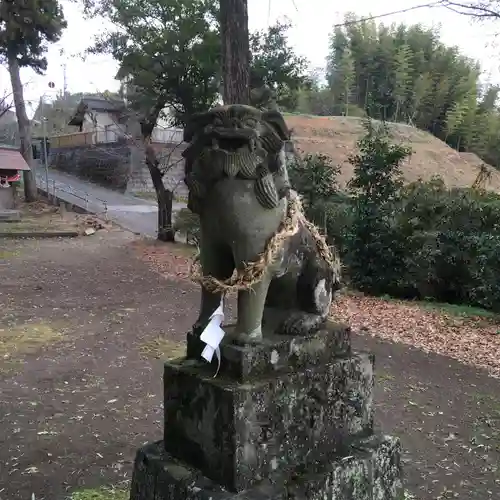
<point>378,16</point>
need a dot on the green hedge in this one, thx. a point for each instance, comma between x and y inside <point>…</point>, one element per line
<point>432,243</point>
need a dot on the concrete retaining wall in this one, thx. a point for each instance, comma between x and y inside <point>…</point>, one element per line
<point>120,165</point>
<point>104,164</point>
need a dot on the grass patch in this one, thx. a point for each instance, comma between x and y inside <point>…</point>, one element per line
<point>164,349</point>
<point>145,195</point>
<point>460,310</point>
<point>384,377</point>
<point>38,225</point>
<point>26,338</point>
<point>101,494</point>
<point>408,496</point>
<point>8,254</point>
<point>10,366</point>
<point>487,399</point>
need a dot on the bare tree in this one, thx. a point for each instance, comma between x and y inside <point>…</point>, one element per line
<point>5,104</point>
<point>159,165</point>
<point>8,122</point>
<point>25,30</point>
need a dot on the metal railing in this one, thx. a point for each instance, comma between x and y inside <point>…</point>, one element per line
<point>56,189</point>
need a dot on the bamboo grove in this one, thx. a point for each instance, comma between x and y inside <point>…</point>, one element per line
<point>404,73</point>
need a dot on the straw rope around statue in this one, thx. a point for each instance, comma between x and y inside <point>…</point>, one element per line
<point>253,272</point>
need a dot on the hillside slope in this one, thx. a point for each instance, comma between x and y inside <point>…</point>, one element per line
<point>336,137</point>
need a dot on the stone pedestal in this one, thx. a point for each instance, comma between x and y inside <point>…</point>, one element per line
<point>286,417</point>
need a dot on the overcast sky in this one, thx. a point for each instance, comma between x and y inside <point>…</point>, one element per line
<point>312,22</point>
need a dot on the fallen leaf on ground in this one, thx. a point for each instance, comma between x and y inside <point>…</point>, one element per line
<point>472,341</point>
<point>171,260</point>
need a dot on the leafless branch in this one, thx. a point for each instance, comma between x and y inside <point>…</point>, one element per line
<point>6,104</point>
<point>478,10</point>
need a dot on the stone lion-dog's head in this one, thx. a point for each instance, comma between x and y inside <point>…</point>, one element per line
<point>236,141</point>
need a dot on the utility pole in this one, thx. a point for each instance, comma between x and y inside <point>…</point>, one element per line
<point>44,145</point>
<point>44,137</point>
<point>65,81</point>
<point>235,51</point>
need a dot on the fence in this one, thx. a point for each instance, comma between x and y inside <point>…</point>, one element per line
<point>112,134</point>
<point>168,135</point>
<point>70,140</point>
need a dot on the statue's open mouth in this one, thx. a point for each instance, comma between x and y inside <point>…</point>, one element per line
<point>231,145</point>
<point>233,140</point>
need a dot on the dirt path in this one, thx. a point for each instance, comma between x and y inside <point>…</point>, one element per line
<point>448,417</point>
<point>75,404</point>
<point>73,413</point>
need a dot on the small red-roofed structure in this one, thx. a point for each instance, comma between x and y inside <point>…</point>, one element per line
<point>12,164</point>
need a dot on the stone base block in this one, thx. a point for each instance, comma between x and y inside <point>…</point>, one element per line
<point>275,353</point>
<point>238,434</point>
<point>369,470</point>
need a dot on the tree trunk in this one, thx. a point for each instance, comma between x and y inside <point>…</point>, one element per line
<point>235,51</point>
<point>164,197</point>
<point>23,123</point>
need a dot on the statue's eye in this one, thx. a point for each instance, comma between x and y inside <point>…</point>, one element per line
<point>250,123</point>
<point>235,123</point>
<point>217,122</point>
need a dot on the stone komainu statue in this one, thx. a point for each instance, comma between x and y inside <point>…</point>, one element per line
<point>254,237</point>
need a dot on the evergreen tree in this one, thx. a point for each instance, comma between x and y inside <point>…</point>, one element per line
<point>402,80</point>
<point>26,28</point>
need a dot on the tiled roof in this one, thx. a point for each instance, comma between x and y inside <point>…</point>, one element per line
<point>103,104</point>
<point>11,159</point>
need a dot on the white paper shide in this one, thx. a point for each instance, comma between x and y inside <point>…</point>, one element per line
<point>213,335</point>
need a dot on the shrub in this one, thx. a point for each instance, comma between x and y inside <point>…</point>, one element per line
<point>315,178</point>
<point>462,231</point>
<point>374,243</point>
<point>188,223</point>
<point>440,244</point>
<point>333,217</point>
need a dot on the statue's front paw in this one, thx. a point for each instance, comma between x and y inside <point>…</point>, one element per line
<point>254,338</point>
<point>301,323</point>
